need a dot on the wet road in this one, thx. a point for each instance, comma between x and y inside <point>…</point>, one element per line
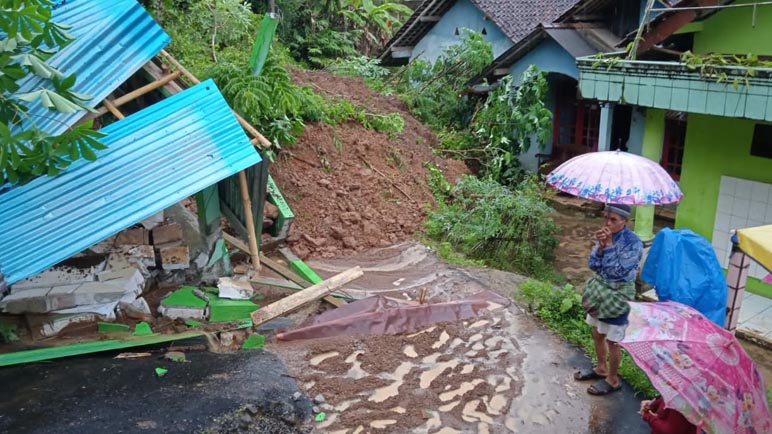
<point>208,394</point>
<point>99,394</point>
<point>550,401</point>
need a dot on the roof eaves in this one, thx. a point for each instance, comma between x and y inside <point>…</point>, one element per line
<point>414,28</point>
<point>512,55</point>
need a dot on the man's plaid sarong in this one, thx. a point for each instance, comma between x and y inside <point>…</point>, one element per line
<point>603,299</point>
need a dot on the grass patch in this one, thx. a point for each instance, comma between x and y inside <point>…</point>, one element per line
<point>447,254</point>
<point>561,310</point>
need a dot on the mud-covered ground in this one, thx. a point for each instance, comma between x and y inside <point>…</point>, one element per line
<point>501,372</point>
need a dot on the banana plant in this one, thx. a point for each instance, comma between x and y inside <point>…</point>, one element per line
<point>377,21</point>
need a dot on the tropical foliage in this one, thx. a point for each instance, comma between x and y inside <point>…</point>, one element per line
<point>508,228</point>
<point>28,38</point>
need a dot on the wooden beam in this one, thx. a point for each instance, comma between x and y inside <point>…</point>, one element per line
<point>280,269</point>
<point>669,25</point>
<point>290,275</point>
<point>136,93</point>
<point>155,71</point>
<point>113,109</point>
<point>298,299</point>
<point>253,250</point>
<point>236,242</point>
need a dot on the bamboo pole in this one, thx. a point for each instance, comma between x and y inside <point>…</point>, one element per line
<point>113,109</point>
<point>247,202</point>
<point>136,93</point>
<point>246,125</point>
<point>253,251</point>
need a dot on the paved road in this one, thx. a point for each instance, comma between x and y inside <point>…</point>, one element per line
<point>99,394</point>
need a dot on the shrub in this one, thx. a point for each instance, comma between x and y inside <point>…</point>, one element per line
<point>508,228</point>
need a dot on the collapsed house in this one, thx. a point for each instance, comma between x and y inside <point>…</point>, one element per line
<point>87,245</point>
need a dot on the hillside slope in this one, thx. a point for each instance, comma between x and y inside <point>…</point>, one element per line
<point>352,188</point>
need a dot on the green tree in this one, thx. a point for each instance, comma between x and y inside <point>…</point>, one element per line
<point>377,21</point>
<point>511,118</point>
<point>29,38</point>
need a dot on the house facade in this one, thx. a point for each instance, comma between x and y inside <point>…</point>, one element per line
<point>725,119</point>
<point>438,24</point>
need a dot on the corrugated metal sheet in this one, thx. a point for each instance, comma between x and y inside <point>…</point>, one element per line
<point>113,39</point>
<point>156,157</point>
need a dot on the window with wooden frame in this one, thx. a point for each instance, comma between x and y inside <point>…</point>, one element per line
<point>576,123</point>
<point>673,143</point>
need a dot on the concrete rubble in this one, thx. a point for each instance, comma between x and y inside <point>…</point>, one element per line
<point>235,289</point>
<point>105,283</point>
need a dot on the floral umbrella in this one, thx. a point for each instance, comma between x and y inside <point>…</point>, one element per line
<point>699,368</point>
<point>616,177</point>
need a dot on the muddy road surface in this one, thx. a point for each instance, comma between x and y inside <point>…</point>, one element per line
<point>498,372</point>
<point>501,372</point>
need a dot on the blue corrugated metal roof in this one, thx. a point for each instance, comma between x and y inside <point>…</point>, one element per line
<point>155,158</point>
<point>113,39</point>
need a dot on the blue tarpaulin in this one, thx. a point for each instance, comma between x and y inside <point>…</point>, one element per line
<point>683,267</point>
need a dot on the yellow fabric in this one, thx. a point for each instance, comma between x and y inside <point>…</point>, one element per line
<point>757,243</point>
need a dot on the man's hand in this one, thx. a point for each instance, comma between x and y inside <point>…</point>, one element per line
<point>644,406</point>
<point>603,236</point>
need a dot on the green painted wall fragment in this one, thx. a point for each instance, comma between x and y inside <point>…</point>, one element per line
<point>8,332</point>
<point>221,309</point>
<point>78,349</point>
<point>208,205</point>
<point>254,342</point>
<point>142,329</point>
<point>221,252</point>
<point>305,271</point>
<point>111,327</point>
<point>281,226</point>
<point>184,297</point>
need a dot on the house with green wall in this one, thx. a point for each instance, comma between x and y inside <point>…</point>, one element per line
<point>725,155</point>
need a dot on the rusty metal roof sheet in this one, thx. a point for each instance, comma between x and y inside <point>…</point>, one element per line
<point>155,158</point>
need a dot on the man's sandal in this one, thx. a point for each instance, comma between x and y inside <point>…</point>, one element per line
<point>587,374</point>
<point>602,388</point>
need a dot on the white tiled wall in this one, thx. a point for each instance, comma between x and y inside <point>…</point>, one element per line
<point>741,204</point>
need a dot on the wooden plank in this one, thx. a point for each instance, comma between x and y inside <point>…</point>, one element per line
<point>254,252</point>
<point>281,269</point>
<point>279,283</point>
<point>298,299</point>
<point>295,278</point>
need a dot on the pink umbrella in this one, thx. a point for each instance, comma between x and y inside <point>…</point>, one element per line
<point>616,177</point>
<point>699,368</point>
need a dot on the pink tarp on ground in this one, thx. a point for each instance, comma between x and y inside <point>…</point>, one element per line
<point>379,315</point>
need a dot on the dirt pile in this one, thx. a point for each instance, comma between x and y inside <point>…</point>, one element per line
<point>351,188</point>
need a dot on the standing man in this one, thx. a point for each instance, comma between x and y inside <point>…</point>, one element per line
<point>614,259</point>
